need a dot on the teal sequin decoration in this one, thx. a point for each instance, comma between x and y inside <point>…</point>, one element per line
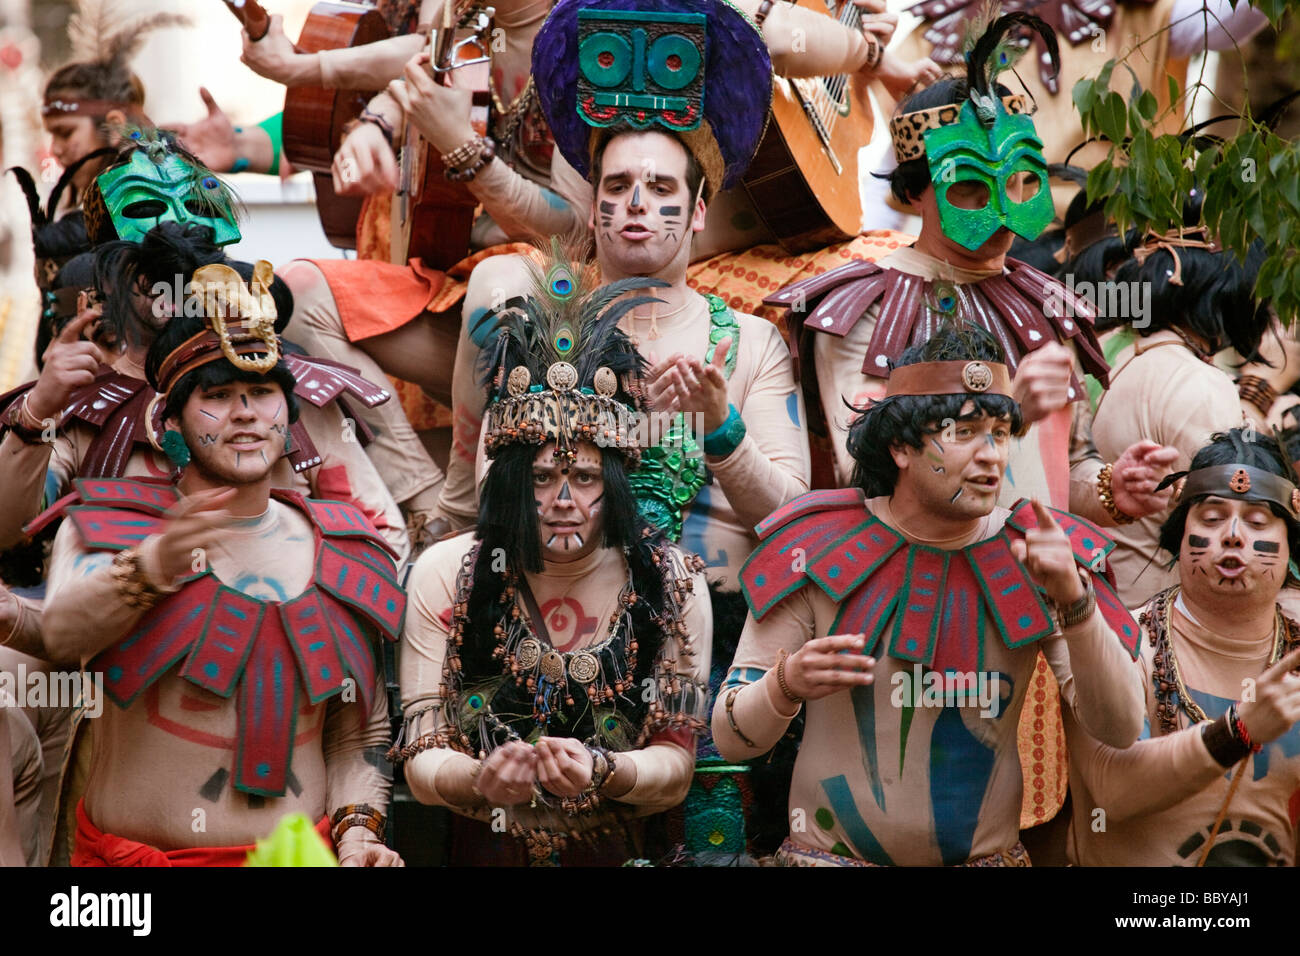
<point>714,816</point>
<point>672,472</point>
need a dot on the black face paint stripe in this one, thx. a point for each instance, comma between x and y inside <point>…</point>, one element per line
<point>1267,547</point>
<point>607,208</point>
<point>244,399</point>
<point>1196,541</point>
<point>670,210</point>
<point>636,195</point>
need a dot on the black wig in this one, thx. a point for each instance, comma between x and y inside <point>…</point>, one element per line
<point>908,419</point>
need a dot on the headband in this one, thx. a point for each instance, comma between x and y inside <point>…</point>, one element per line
<point>950,378</point>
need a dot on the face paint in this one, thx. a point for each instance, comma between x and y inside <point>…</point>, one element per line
<point>670,210</point>
<point>568,501</point>
<point>636,195</point>
<point>990,148</point>
<point>226,422</point>
<point>958,479</point>
<point>1233,548</point>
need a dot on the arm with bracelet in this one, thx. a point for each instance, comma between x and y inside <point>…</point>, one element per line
<point>359,781</point>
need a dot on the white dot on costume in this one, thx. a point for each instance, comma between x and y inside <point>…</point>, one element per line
<point>1067,324</point>
<point>312,384</point>
<point>98,403</point>
<point>1069,393</point>
<point>1104,11</point>
<point>827,322</point>
<point>882,361</point>
<point>1035,335</point>
<point>952,39</point>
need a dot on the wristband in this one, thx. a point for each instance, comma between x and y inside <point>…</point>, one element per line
<point>357,815</point>
<point>1223,746</point>
<point>1078,612</point>
<point>726,438</point>
<point>1108,498</point>
<point>26,428</point>
<point>274,126</point>
<point>239,165</point>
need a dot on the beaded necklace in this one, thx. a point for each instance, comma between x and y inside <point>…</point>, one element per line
<point>1170,692</point>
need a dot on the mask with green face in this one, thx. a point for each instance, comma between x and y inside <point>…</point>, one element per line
<point>989,146</point>
<point>157,186</point>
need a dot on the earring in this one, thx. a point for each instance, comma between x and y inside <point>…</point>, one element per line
<point>174,447</point>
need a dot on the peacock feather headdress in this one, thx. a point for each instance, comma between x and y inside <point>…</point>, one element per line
<point>153,180</point>
<point>984,137</point>
<point>561,369</point>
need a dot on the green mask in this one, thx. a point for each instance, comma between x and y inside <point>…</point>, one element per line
<point>143,193</point>
<point>989,149</point>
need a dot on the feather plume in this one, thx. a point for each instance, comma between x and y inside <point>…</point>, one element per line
<point>104,31</point>
<point>997,49</point>
<point>566,318</point>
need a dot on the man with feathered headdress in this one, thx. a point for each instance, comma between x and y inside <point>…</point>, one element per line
<point>556,661</point>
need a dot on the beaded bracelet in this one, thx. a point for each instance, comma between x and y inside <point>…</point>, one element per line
<point>26,427</point>
<point>780,677</point>
<point>1107,496</point>
<point>134,587</point>
<point>487,149</point>
<point>731,719</point>
<point>463,153</point>
<point>1257,391</point>
<point>357,815</point>
<point>761,13</point>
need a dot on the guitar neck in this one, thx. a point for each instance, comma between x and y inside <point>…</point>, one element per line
<point>252,15</point>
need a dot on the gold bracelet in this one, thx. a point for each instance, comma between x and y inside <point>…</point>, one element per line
<point>780,677</point>
<point>133,585</point>
<point>1108,498</point>
<point>731,719</point>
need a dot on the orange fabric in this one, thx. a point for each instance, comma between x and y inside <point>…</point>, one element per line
<point>377,297</point>
<point>96,848</point>
<point>743,278</point>
<point>1040,738</point>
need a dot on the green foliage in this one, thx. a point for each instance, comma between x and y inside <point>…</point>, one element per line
<point>1251,181</point>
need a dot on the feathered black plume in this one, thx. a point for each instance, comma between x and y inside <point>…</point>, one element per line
<point>997,50</point>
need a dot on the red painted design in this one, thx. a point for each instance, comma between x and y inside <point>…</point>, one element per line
<point>566,616</point>
<point>333,483</point>
<point>167,724</point>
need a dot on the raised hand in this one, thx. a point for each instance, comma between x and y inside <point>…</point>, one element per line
<point>211,139</point>
<point>1135,474</point>
<point>191,524</point>
<point>1042,381</point>
<point>1047,555</point>
<point>683,383</point>
<point>69,363</point>
<point>827,665</point>
<point>1276,706</point>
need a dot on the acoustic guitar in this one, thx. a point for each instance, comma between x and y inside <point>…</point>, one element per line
<point>432,217</point>
<point>804,179</point>
<point>314,117</point>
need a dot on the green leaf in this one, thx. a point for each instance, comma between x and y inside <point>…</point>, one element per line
<point>1111,116</point>
<point>1173,90</point>
<point>1147,105</point>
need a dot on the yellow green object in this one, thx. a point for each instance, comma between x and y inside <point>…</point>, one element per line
<point>293,842</point>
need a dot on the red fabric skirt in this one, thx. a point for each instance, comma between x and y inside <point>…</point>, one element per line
<point>97,848</point>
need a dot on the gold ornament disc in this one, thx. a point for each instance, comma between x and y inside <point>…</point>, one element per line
<point>584,667</point>
<point>562,376</point>
<point>606,382</point>
<point>519,380</point>
<point>529,651</point>
<point>552,666</point>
